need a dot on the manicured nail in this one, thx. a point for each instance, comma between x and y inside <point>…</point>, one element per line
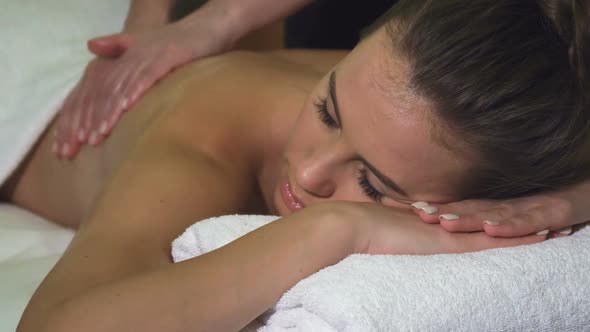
<point>544,232</point>
<point>419,205</point>
<point>491,222</point>
<point>93,138</point>
<point>448,216</point>
<point>430,209</point>
<point>103,127</point>
<point>81,134</point>
<point>566,231</point>
<point>65,149</point>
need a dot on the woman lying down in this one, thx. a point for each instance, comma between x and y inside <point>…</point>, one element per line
<point>443,102</point>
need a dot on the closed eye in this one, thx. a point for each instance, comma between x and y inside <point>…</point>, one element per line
<point>368,188</point>
<point>324,115</point>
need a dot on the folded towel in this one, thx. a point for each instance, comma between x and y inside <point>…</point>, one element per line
<point>43,57</point>
<point>540,287</point>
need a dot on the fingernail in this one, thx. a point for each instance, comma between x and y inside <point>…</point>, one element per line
<point>54,148</point>
<point>491,222</point>
<point>81,134</point>
<point>566,231</point>
<point>65,149</point>
<point>544,232</point>
<point>429,209</point>
<point>448,216</point>
<point>93,138</point>
<point>419,205</point>
<point>103,127</point>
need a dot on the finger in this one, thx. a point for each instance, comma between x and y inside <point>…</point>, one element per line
<point>102,96</point>
<point>460,209</point>
<point>139,81</point>
<point>61,121</point>
<point>427,212</point>
<point>68,115</point>
<point>72,147</point>
<point>460,223</point>
<point>117,103</point>
<point>563,232</point>
<point>531,221</point>
<point>484,242</point>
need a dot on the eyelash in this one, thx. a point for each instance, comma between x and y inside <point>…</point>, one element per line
<point>325,117</point>
<point>368,188</point>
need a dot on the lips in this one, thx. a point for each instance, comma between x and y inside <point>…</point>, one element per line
<point>291,201</point>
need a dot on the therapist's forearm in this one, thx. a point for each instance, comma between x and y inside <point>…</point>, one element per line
<point>147,14</point>
<point>239,17</point>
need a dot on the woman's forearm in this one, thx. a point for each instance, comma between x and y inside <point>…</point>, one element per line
<point>220,291</point>
<point>236,18</point>
<point>148,14</point>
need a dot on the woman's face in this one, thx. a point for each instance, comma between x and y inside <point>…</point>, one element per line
<point>364,136</point>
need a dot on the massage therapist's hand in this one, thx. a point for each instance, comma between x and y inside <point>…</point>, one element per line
<point>127,65</point>
<point>384,230</point>
<point>554,212</point>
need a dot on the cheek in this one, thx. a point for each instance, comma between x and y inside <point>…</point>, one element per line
<point>305,134</point>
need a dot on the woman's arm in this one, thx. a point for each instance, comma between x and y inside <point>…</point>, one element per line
<point>117,274</point>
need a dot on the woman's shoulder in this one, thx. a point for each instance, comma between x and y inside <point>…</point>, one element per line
<point>292,66</point>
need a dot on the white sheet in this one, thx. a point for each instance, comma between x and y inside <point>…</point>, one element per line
<point>43,55</point>
<point>29,247</point>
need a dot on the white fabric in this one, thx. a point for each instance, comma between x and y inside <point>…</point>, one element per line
<point>540,287</point>
<point>29,247</point>
<point>43,55</point>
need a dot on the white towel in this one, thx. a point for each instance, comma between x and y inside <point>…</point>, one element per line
<point>43,55</point>
<point>540,287</point>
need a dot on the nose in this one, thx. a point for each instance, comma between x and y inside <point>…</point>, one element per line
<point>317,172</point>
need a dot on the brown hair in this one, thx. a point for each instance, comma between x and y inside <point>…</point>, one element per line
<point>507,77</point>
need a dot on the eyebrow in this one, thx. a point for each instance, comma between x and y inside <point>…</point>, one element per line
<point>388,182</point>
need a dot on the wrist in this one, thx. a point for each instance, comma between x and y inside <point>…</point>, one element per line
<point>222,20</point>
<point>576,197</point>
<point>341,226</point>
<point>147,15</point>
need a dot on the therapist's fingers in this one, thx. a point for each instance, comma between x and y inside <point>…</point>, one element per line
<point>66,144</point>
<point>119,99</point>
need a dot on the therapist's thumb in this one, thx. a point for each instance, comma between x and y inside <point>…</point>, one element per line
<point>111,46</point>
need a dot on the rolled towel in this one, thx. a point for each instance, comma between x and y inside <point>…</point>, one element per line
<point>540,287</point>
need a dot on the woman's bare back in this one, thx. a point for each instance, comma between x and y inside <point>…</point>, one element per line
<point>219,104</point>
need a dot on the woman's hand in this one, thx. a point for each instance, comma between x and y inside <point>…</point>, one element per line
<point>385,230</point>
<point>127,65</point>
<point>547,212</point>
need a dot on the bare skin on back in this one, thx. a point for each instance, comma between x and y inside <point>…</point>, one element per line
<point>191,104</point>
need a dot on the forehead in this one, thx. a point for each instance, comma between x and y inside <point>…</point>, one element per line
<point>390,125</point>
